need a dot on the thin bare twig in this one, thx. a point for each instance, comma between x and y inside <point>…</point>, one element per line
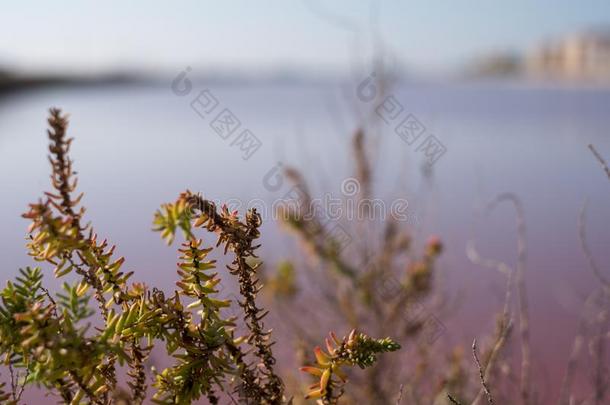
<point>600,159</point>
<point>601,380</point>
<point>399,399</point>
<point>481,374</point>
<point>13,380</point>
<point>522,295</point>
<point>453,400</point>
<point>521,291</point>
<point>584,246</point>
<point>579,340</point>
<point>506,324</point>
<point>566,384</point>
<point>495,351</point>
<point>22,385</point>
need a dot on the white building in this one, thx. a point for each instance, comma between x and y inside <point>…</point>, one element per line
<point>579,57</point>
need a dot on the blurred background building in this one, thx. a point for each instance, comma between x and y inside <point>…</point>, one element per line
<point>577,57</point>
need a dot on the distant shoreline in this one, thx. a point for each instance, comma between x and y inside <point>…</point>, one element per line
<point>11,84</point>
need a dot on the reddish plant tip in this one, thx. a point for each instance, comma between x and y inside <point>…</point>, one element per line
<point>434,246</point>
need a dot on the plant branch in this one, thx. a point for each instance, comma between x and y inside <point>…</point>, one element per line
<point>600,159</point>
<point>481,376</point>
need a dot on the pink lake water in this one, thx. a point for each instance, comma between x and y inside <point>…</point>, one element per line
<point>137,147</point>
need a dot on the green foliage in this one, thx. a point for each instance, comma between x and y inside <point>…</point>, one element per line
<point>35,337</point>
<point>17,298</point>
<point>55,342</point>
<point>357,349</point>
<point>362,350</point>
<point>283,283</point>
<point>75,302</point>
<point>203,360</point>
<point>172,217</point>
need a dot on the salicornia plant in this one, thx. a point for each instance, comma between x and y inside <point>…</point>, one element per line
<point>357,349</point>
<point>55,341</point>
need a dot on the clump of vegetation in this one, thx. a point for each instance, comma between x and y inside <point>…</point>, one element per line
<point>387,279</point>
<point>383,278</point>
<point>356,349</point>
<point>54,340</point>
<point>79,342</point>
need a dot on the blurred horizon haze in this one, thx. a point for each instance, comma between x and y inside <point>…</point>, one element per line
<point>67,37</point>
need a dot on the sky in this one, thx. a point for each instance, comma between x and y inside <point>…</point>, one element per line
<point>269,35</point>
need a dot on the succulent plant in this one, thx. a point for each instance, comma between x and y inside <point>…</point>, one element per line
<point>52,338</point>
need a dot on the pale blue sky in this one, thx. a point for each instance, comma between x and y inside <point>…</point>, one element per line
<point>426,35</point>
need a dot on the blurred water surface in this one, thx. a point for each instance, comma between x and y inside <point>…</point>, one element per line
<point>137,147</point>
